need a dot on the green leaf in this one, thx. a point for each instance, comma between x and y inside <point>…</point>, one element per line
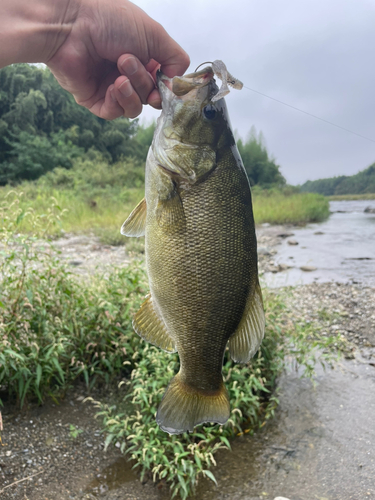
<point>38,375</point>
<point>210,475</point>
<point>108,440</point>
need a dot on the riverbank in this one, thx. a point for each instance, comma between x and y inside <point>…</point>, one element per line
<point>63,446</point>
<point>343,197</point>
<point>60,447</point>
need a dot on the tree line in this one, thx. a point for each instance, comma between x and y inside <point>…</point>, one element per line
<point>360,183</point>
<point>41,128</point>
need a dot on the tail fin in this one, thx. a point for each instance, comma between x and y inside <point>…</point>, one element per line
<point>183,407</point>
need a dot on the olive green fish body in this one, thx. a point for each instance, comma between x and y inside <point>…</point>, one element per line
<point>201,261</point>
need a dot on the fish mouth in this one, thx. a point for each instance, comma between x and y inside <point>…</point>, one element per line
<point>181,86</point>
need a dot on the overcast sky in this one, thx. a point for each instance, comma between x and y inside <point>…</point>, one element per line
<point>316,55</point>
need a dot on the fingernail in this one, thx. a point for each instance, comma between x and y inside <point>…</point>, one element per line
<point>112,94</point>
<point>129,66</point>
<point>126,88</point>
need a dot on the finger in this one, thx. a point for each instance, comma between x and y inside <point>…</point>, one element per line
<point>107,108</point>
<point>137,74</point>
<point>154,99</point>
<point>127,98</point>
<point>152,67</point>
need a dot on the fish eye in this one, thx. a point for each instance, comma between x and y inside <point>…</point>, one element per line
<point>209,112</point>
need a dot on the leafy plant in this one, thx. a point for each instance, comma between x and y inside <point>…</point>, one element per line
<point>181,460</point>
<point>54,329</point>
<point>74,431</point>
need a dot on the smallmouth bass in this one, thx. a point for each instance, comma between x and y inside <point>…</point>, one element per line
<point>201,254</point>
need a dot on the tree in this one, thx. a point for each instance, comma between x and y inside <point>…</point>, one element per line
<point>42,127</point>
<point>260,168</point>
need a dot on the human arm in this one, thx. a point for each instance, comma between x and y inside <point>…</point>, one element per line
<point>90,46</point>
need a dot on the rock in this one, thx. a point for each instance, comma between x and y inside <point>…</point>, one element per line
<point>285,235</point>
<point>266,224</point>
<point>308,269</point>
<point>283,267</point>
<point>369,210</point>
<point>292,242</point>
<point>281,498</point>
<point>264,251</point>
<point>319,232</point>
<point>75,262</point>
<point>273,269</point>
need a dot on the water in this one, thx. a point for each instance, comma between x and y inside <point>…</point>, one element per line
<point>319,446</point>
<point>344,251</point>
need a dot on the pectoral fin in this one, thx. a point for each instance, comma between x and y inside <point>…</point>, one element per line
<point>136,222</point>
<point>170,212</point>
<point>151,327</point>
<point>247,338</point>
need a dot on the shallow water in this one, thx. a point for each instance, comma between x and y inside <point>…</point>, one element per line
<point>344,252</point>
<point>319,446</point>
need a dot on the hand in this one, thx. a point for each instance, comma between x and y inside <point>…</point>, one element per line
<point>110,56</point>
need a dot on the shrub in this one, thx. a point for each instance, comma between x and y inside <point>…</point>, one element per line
<point>53,328</point>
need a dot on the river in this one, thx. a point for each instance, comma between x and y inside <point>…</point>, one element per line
<point>342,248</point>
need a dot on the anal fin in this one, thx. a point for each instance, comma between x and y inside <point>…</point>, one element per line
<point>246,340</point>
<point>136,222</point>
<point>151,327</point>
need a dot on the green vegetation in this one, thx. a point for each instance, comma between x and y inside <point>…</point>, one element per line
<point>96,197</point>
<point>41,127</point>
<point>362,183</point>
<point>283,207</point>
<point>55,328</point>
<point>260,168</point>
<point>93,196</point>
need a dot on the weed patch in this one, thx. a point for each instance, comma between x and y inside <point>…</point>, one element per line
<point>55,328</point>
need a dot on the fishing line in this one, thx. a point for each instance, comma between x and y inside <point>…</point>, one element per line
<point>310,114</point>
<point>221,71</point>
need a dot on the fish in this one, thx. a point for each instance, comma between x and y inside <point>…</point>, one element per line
<point>201,251</point>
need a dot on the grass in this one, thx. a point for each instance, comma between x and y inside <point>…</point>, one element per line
<point>297,208</point>
<point>102,215</point>
<point>363,196</point>
<point>55,329</point>
<point>96,198</point>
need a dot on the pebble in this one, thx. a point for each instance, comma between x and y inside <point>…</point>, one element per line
<point>285,235</point>
<point>308,269</point>
<point>264,251</point>
<point>292,242</point>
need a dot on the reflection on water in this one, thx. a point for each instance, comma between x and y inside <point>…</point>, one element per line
<point>341,249</point>
<point>112,477</point>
